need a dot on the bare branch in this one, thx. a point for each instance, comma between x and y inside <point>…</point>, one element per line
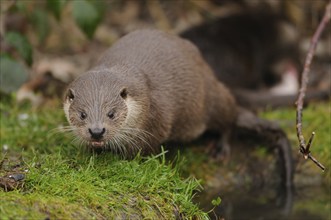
<point>304,149</point>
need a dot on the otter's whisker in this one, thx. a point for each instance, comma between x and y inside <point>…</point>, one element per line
<point>137,135</point>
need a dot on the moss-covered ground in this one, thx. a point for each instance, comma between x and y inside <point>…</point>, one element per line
<point>63,181</point>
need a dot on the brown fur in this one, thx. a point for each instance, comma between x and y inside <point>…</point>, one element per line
<point>172,94</point>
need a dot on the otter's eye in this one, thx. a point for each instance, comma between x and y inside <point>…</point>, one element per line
<point>83,115</point>
<point>111,115</point>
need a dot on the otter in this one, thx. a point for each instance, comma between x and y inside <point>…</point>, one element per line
<point>150,88</point>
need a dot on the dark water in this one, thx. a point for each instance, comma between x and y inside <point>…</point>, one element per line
<point>309,203</point>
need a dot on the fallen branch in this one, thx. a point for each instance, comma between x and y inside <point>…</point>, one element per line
<point>305,149</point>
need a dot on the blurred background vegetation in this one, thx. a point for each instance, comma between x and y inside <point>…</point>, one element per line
<point>34,30</point>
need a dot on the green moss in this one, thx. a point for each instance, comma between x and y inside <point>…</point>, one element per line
<point>317,118</point>
<point>64,182</point>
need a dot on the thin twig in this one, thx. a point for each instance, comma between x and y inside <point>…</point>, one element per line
<point>305,149</point>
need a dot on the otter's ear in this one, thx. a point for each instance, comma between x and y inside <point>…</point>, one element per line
<point>124,93</point>
<point>70,95</point>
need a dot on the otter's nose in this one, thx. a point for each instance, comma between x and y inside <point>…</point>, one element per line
<point>97,133</point>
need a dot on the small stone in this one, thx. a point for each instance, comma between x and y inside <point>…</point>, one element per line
<point>17,176</point>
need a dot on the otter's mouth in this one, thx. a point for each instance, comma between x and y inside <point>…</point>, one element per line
<point>97,144</point>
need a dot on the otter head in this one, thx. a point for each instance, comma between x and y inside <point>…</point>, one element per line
<point>98,106</point>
